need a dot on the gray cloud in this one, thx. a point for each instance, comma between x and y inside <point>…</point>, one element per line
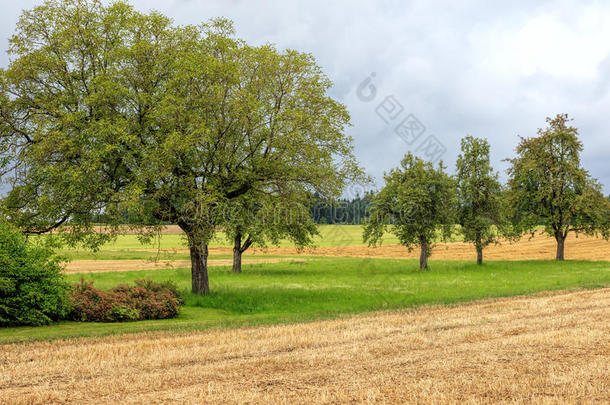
<point>488,69</point>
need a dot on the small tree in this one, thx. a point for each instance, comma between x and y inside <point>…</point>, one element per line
<point>415,202</point>
<point>548,185</point>
<point>478,195</point>
<point>268,219</point>
<point>32,288</point>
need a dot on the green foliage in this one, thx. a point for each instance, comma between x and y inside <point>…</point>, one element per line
<point>32,288</point>
<point>549,186</point>
<point>66,112</point>
<point>480,211</point>
<point>416,200</point>
<point>144,300</point>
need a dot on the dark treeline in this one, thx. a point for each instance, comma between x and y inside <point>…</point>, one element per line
<point>343,211</point>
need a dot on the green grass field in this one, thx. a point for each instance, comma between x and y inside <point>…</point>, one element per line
<point>329,287</point>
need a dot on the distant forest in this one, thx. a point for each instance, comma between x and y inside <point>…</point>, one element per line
<point>342,211</point>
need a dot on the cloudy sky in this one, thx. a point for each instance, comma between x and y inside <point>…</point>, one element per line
<point>483,68</point>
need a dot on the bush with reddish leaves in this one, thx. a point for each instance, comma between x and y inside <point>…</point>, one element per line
<point>144,300</point>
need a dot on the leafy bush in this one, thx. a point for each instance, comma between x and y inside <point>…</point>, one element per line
<point>32,288</point>
<point>144,300</point>
<point>88,303</point>
<point>158,286</point>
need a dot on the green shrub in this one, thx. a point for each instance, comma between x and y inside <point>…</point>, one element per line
<point>32,288</point>
<point>121,313</point>
<point>144,300</point>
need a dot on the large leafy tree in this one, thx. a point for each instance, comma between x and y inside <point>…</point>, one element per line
<point>479,211</point>
<point>416,202</point>
<point>548,186</point>
<point>105,109</point>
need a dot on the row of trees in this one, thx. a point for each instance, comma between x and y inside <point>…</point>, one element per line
<point>547,186</point>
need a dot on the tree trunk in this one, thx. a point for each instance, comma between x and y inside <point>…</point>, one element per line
<point>560,247</point>
<point>479,247</point>
<point>423,256</point>
<point>237,251</point>
<point>199,269</point>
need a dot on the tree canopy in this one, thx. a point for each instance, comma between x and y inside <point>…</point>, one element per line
<point>547,185</point>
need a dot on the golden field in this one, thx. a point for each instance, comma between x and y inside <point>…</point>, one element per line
<point>550,348</point>
<point>540,247</point>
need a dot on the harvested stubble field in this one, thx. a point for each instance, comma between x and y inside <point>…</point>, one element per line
<point>550,348</point>
<point>540,247</point>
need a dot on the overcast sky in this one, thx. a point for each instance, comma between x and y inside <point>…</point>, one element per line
<point>489,69</point>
